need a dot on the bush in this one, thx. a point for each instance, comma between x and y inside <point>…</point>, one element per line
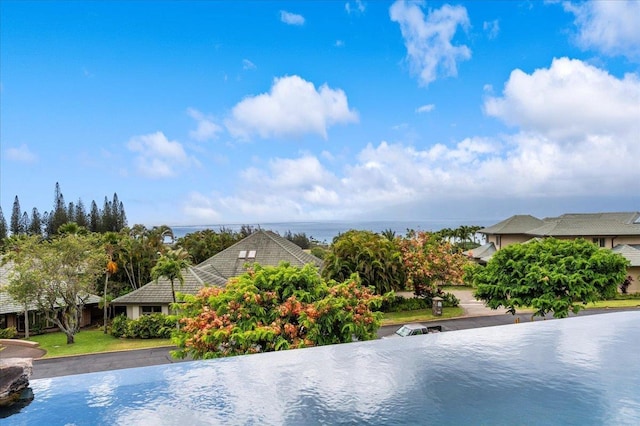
<point>119,326</point>
<point>399,303</point>
<point>8,333</point>
<point>319,252</point>
<point>152,326</point>
<point>146,327</point>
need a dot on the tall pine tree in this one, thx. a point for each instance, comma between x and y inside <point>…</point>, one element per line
<point>3,226</point>
<point>16,216</point>
<point>35,225</point>
<point>94,218</point>
<point>81,215</point>
<point>58,217</point>
<point>107,216</point>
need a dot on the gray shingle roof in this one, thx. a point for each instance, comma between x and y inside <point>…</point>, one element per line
<point>264,247</point>
<point>160,292</point>
<point>482,253</point>
<point>518,224</point>
<point>269,249</point>
<point>630,252</point>
<point>601,224</point>
<point>570,225</point>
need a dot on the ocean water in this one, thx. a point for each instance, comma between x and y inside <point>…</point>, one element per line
<point>574,371</point>
<point>325,231</point>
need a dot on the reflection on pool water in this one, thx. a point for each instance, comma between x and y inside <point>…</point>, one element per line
<point>583,370</point>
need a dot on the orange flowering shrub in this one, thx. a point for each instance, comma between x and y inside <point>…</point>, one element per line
<point>429,261</point>
<point>275,308</point>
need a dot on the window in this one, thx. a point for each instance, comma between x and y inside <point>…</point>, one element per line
<point>252,254</point>
<point>599,242</point>
<point>37,322</point>
<point>3,321</point>
<point>148,310</point>
<point>499,241</point>
<point>242,254</point>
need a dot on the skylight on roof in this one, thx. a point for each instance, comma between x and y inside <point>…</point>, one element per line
<point>242,254</point>
<point>252,254</point>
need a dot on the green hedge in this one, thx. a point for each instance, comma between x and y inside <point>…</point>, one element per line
<point>400,304</point>
<point>146,327</point>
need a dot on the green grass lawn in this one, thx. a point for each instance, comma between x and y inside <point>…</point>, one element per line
<point>91,341</point>
<point>615,303</point>
<point>403,317</point>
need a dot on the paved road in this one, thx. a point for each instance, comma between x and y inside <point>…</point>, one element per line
<point>64,366</point>
<point>493,320</point>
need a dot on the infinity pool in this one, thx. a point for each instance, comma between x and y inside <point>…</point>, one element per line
<point>578,371</point>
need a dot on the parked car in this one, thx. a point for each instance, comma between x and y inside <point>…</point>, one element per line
<point>415,330</point>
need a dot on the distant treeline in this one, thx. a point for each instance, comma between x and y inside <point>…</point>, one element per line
<point>111,217</point>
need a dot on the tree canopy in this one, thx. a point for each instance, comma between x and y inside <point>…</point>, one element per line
<point>111,218</point>
<point>170,266</point>
<point>205,243</point>
<point>57,276</point>
<point>275,308</point>
<point>430,260</point>
<point>549,275</point>
<point>375,258</point>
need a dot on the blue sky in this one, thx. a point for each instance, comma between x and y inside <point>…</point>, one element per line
<point>255,112</point>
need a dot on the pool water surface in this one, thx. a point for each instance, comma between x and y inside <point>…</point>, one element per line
<point>581,370</point>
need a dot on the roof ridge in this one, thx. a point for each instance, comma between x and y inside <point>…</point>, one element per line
<point>191,268</point>
<point>272,235</point>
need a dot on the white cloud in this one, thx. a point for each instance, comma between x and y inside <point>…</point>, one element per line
<point>159,157</point>
<point>293,107</point>
<point>339,43</point>
<point>358,6</point>
<point>425,108</point>
<point>21,154</point>
<point>577,136</point>
<point>291,18</point>
<point>206,130</point>
<point>200,208</point>
<point>569,100</point>
<point>608,26</point>
<point>248,65</point>
<point>430,51</point>
<point>579,130</point>
<point>492,28</point>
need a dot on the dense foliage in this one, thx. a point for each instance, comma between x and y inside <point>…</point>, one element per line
<point>170,266</point>
<point>275,308</point>
<point>462,238</point>
<point>201,245</point>
<point>399,303</point>
<point>154,326</point>
<point>549,275</point>
<point>376,259</point>
<point>57,276</point>
<point>430,261</point>
<point>8,333</point>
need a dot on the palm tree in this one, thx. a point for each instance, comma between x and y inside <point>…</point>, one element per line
<point>111,239</point>
<point>389,234</point>
<point>170,266</point>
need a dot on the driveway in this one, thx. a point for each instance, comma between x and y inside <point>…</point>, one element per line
<point>473,307</point>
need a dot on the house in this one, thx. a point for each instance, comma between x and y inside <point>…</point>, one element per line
<point>263,247</point>
<point>12,312</point>
<point>619,232</point>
